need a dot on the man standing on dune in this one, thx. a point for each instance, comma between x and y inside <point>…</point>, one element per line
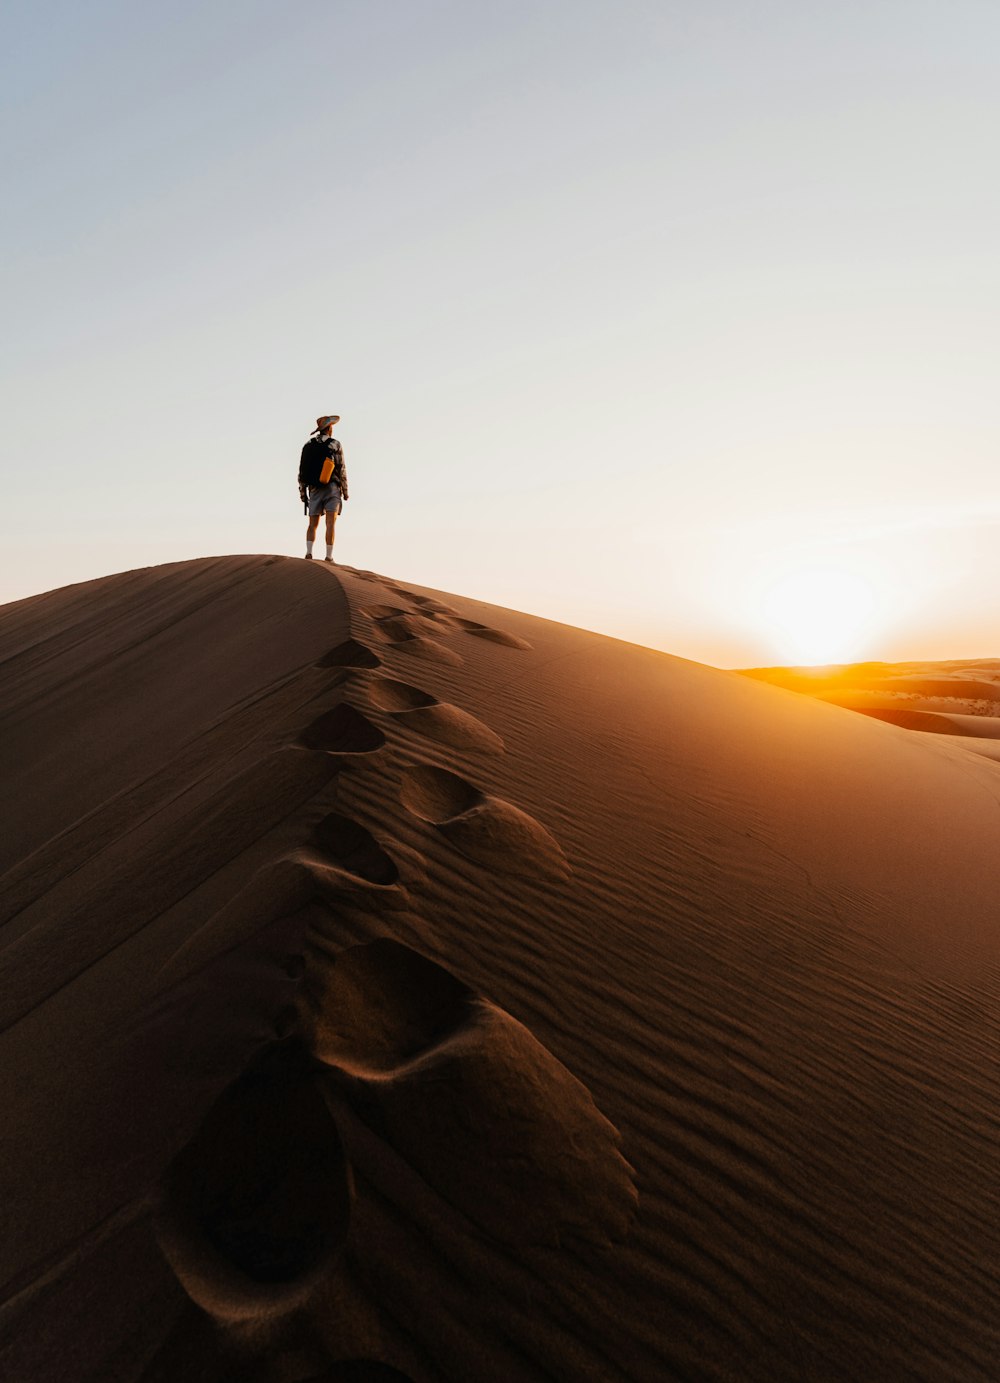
<point>323,481</point>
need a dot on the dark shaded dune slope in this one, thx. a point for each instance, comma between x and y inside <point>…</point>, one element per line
<point>102,684</point>
<point>394,986</point>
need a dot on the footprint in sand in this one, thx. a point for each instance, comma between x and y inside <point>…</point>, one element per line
<point>403,625</point>
<point>418,604</point>
<point>441,614</point>
<point>418,710</point>
<point>389,694</point>
<point>485,829</point>
<point>427,617</point>
<point>471,1099</point>
<point>407,635</point>
<point>381,612</point>
<point>350,653</point>
<point>384,1006</point>
<point>440,620</point>
<point>401,593</point>
<point>343,730</point>
<point>483,631</point>
<point>256,1208</point>
<point>355,850</point>
<point>427,602</point>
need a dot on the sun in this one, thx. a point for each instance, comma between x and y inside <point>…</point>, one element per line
<point>820,614</point>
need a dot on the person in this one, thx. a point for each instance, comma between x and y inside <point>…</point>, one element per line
<point>319,497</point>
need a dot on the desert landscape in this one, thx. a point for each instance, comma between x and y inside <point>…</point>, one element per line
<point>398,987</point>
<point>956,697</point>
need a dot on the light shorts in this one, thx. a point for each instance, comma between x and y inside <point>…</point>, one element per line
<point>325,499</point>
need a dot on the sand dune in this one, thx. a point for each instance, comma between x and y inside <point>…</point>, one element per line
<point>400,988</point>
<point>953,698</point>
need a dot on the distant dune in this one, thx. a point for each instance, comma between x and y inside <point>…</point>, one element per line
<point>953,698</point>
<point>395,987</point>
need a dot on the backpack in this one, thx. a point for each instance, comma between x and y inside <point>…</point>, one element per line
<point>315,452</point>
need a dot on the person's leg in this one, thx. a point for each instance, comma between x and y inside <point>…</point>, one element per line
<point>311,533</point>
<point>331,524</point>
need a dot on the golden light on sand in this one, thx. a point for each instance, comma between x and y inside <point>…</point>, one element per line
<point>820,614</point>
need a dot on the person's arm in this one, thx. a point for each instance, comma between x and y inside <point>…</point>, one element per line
<point>343,476</point>
<point>302,465</point>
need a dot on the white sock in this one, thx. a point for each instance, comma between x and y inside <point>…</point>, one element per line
<point>329,551</point>
<point>309,547</point>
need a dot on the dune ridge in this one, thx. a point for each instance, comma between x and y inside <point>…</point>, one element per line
<point>429,991</point>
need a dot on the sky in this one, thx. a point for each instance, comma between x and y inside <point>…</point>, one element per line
<point>677,321</point>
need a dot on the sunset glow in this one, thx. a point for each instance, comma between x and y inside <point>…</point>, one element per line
<point>820,614</point>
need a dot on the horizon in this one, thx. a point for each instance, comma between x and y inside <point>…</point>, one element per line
<point>671,325</point>
<point>817,668</point>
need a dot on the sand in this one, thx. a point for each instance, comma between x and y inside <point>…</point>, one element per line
<point>961,699</point>
<point>398,987</point>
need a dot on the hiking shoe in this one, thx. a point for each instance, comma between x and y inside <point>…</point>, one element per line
<point>330,560</point>
<point>309,556</point>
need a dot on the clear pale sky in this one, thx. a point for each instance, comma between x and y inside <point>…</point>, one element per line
<point>634,312</point>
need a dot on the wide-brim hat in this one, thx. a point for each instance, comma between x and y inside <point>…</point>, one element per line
<point>327,419</point>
